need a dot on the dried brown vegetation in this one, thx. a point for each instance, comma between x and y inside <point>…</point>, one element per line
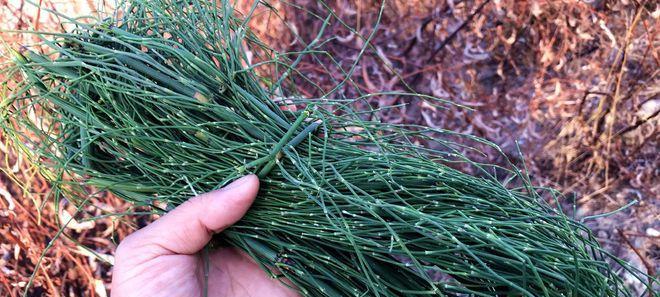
<point>574,84</point>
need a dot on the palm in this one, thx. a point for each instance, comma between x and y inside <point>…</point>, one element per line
<point>231,273</point>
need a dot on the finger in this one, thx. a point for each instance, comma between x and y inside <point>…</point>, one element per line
<point>189,227</point>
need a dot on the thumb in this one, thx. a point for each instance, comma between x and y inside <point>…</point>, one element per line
<point>189,227</point>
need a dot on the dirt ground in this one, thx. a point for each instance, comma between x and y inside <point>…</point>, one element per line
<point>573,84</point>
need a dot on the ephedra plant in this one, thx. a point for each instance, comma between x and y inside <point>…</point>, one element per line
<point>160,101</point>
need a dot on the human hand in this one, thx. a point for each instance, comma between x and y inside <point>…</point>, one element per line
<point>164,259</point>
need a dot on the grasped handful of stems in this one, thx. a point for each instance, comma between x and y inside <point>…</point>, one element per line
<point>160,102</point>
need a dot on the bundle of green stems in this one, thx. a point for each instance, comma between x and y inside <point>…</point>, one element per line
<point>160,101</point>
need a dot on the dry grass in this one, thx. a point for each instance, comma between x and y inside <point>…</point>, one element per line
<point>575,83</point>
<point>28,223</point>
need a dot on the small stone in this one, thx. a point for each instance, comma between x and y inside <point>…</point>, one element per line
<point>652,232</point>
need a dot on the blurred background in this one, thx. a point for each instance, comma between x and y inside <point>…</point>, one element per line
<point>573,84</point>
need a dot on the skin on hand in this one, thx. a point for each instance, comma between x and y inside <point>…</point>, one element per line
<point>164,258</point>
